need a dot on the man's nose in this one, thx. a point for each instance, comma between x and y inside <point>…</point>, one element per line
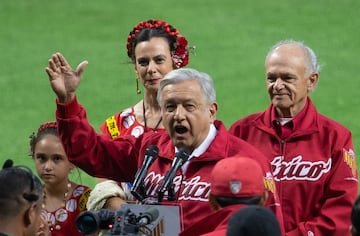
<point>278,84</point>
<point>179,113</point>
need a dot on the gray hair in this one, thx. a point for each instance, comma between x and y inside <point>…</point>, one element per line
<point>312,66</point>
<point>185,74</point>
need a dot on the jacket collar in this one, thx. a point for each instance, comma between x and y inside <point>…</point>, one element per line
<point>304,123</point>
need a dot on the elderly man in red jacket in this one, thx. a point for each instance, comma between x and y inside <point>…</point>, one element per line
<point>312,156</point>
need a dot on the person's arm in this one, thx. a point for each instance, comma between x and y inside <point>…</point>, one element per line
<point>89,151</point>
<point>339,196</point>
<point>107,194</point>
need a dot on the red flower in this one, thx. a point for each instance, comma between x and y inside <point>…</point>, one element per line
<point>181,54</point>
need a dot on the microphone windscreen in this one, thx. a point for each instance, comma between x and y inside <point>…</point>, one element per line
<point>152,151</point>
<point>183,154</point>
<point>149,215</point>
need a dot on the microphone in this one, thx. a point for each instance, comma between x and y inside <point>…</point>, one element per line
<point>148,216</point>
<point>180,158</point>
<point>150,155</point>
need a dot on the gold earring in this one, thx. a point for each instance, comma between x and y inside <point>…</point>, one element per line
<point>138,91</point>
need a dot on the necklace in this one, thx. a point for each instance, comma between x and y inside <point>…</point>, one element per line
<point>145,125</point>
<point>60,213</point>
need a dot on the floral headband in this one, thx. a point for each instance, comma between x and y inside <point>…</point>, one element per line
<point>180,55</point>
<point>46,125</point>
<point>33,137</point>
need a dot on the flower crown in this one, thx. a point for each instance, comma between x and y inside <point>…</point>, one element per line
<point>180,55</point>
<point>33,137</point>
<point>46,125</point>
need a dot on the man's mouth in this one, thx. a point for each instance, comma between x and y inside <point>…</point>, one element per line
<point>180,129</point>
<point>281,94</point>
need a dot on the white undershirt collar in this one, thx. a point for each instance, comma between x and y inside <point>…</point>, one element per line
<point>202,148</point>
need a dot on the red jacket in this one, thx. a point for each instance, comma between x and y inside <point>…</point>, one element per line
<point>314,169</point>
<point>119,159</point>
<point>214,224</point>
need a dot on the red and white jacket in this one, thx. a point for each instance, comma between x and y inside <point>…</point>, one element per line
<point>119,159</point>
<point>314,167</point>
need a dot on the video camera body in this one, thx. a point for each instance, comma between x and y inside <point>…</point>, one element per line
<point>124,221</point>
<point>121,222</point>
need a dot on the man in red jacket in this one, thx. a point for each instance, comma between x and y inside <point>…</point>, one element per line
<point>188,103</point>
<point>312,156</point>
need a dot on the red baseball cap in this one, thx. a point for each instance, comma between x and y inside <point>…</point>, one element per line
<point>237,176</point>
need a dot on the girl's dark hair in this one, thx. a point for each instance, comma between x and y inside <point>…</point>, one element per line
<point>44,129</point>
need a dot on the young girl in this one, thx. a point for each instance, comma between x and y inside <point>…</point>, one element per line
<point>63,199</point>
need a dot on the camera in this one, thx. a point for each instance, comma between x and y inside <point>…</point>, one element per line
<point>121,222</point>
<point>89,222</point>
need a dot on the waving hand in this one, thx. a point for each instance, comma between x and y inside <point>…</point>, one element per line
<point>63,80</point>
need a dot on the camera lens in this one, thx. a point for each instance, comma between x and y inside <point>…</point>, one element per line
<point>88,222</point>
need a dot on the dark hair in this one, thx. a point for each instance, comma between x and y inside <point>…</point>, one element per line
<point>146,30</point>
<point>19,187</point>
<point>253,220</point>
<point>149,33</point>
<point>227,201</point>
<point>355,217</point>
<point>44,129</point>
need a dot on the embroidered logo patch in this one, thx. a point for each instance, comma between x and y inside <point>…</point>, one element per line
<point>235,186</point>
<point>269,182</point>
<point>350,160</point>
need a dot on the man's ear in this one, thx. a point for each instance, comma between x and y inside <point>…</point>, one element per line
<point>312,82</point>
<point>213,203</point>
<point>213,111</point>
<point>263,199</point>
<point>30,215</point>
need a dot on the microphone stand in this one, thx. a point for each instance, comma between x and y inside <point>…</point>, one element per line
<point>171,194</point>
<point>180,158</point>
<point>141,194</point>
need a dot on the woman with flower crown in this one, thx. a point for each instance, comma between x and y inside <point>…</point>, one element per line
<point>63,199</point>
<point>155,48</point>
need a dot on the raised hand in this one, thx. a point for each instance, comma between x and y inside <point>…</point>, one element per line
<point>63,80</point>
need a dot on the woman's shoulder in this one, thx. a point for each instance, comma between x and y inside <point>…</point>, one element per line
<point>80,189</point>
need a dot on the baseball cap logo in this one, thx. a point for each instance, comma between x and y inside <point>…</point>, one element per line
<point>235,187</point>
